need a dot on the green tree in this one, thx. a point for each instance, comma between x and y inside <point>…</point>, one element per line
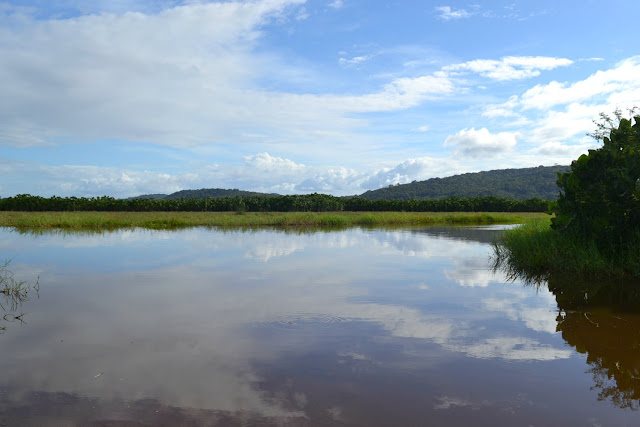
<point>600,197</point>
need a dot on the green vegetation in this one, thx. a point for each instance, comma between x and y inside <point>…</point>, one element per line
<point>527,183</point>
<point>171,220</point>
<point>601,193</point>
<point>12,294</point>
<point>520,184</point>
<point>534,251</point>
<point>203,193</point>
<point>596,230</point>
<point>298,203</point>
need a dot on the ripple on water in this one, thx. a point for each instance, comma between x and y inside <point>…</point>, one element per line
<point>302,320</point>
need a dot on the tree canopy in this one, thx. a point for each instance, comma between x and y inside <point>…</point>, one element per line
<point>522,183</point>
<point>600,197</point>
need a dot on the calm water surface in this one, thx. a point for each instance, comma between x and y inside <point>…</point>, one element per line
<point>355,328</point>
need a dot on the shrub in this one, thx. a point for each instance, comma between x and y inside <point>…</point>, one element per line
<point>600,197</point>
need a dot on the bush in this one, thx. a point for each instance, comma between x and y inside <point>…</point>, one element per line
<point>600,197</point>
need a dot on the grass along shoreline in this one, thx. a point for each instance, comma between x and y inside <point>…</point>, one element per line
<point>172,220</point>
<point>534,251</point>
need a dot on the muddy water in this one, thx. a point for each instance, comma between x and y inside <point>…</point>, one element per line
<point>357,327</point>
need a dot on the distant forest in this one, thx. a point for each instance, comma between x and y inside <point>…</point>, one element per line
<point>521,184</point>
<point>203,193</point>
<point>508,190</point>
<point>297,203</point>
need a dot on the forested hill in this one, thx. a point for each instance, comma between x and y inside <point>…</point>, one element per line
<point>203,193</point>
<point>518,184</point>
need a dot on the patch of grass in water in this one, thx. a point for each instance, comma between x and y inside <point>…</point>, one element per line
<point>534,251</point>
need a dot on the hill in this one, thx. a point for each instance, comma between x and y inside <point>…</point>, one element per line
<point>203,193</point>
<point>521,184</point>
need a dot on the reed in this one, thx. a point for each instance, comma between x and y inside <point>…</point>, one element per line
<point>534,251</point>
<point>174,220</point>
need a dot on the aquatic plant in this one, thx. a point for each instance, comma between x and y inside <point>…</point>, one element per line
<point>13,293</point>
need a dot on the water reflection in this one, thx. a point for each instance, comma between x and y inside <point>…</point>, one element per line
<point>358,327</point>
<point>601,319</point>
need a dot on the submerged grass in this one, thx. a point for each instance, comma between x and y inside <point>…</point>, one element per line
<point>173,220</point>
<point>13,294</point>
<point>534,251</point>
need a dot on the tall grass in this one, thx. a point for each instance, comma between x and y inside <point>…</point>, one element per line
<point>534,251</point>
<point>172,220</point>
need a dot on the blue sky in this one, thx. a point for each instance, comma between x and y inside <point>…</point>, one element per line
<point>127,97</point>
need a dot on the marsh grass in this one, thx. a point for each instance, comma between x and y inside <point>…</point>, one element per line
<point>534,251</point>
<point>12,294</point>
<point>176,220</point>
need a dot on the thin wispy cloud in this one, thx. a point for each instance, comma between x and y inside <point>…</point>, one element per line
<point>446,13</point>
<point>510,67</point>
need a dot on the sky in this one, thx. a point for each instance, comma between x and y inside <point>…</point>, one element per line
<point>130,97</point>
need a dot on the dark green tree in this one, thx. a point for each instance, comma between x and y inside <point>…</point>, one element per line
<point>600,195</point>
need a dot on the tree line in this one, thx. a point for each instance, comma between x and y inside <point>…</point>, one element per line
<point>522,184</point>
<point>291,203</point>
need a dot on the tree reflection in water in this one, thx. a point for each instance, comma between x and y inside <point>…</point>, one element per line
<point>601,319</point>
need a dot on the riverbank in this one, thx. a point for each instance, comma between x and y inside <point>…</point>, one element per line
<point>169,220</point>
<point>535,251</point>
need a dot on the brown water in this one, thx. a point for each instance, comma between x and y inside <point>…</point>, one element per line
<point>356,328</point>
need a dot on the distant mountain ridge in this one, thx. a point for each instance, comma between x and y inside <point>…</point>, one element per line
<point>521,184</point>
<point>204,193</point>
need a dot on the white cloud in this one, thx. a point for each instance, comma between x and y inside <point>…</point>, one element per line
<point>609,83</point>
<point>557,149</point>
<point>192,70</point>
<point>481,142</point>
<point>268,163</point>
<point>510,67</point>
<point>186,66</point>
<point>356,60</point>
<point>336,4</point>
<point>412,169</point>
<point>554,119</point>
<point>556,126</point>
<point>446,13</point>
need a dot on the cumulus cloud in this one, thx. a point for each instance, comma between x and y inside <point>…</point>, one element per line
<point>446,13</point>
<point>621,79</point>
<point>268,163</point>
<point>412,169</point>
<point>160,77</point>
<point>182,77</point>
<point>481,142</point>
<point>510,67</point>
<point>555,118</point>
